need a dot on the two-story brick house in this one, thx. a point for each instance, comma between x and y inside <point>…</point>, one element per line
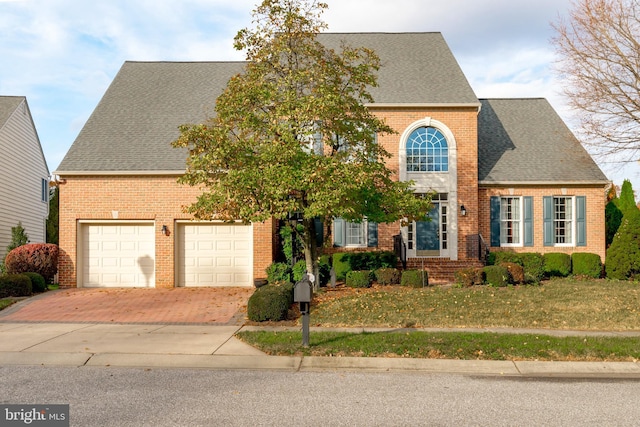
<point>505,171</point>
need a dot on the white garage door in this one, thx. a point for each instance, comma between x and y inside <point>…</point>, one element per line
<point>118,255</point>
<point>215,255</point>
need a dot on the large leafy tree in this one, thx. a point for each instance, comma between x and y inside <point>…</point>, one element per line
<point>292,134</point>
<point>599,56</point>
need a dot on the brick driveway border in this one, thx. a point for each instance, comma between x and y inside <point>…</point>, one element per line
<point>134,305</point>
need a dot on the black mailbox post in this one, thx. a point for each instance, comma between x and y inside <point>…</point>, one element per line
<point>302,294</point>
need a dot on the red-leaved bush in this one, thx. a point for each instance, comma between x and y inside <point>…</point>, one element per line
<point>39,258</point>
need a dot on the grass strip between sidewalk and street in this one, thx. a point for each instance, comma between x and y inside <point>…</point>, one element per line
<point>446,345</point>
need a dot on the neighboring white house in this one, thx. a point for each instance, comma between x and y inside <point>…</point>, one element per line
<point>24,175</point>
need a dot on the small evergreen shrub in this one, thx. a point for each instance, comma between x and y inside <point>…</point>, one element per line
<point>516,272</point>
<point>468,277</point>
<point>278,272</point>
<point>557,264</point>
<point>15,285</point>
<point>299,269</point>
<point>41,258</point>
<point>270,302</point>
<point>341,265</point>
<point>18,237</point>
<point>359,279</point>
<point>586,264</point>
<point>38,283</point>
<point>414,278</point>
<point>533,264</point>
<point>502,257</point>
<point>324,264</point>
<point>387,276</point>
<point>496,275</point>
<point>612,220</point>
<point>371,260</point>
<point>623,256</point>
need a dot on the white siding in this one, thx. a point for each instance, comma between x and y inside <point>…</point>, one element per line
<point>22,168</point>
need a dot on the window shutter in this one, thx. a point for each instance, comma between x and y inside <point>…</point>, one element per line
<point>528,220</point>
<point>495,221</point>
<point>547,209</point>
<point>372,234</point>
<point>581,221</point>
<point>317,222</point>
<point>338,232</point>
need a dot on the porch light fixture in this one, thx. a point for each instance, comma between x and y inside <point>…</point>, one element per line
<point>165,230</point>
<point>463,210</point>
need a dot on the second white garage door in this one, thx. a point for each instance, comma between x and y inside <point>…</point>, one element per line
<point>215,254</point>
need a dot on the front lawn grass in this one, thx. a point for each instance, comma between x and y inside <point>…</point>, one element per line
<point>446,345</point>
<point>580,304</point>
<point>6,302</point>
<point>556,304</point>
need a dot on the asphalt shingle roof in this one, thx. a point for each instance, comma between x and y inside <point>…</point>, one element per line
<point>134,124</point>
<point>525,141</point>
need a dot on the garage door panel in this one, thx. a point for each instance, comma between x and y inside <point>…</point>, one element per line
<point>118,255</point>
<point>215,255</point>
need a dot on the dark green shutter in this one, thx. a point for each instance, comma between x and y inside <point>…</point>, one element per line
<point>372,234</point>
<point>547,210</point>
<point>319,226</point>
<point>581,221</point>
<point>528,221</point>
<point>495,221</point>
<point>338,232</point>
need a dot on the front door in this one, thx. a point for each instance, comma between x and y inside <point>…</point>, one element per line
<point>428,234</point>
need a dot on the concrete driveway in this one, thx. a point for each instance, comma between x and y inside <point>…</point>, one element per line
<point>220,306</point>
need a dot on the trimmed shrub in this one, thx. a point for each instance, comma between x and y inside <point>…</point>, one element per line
<point>371,260</point>
<point>278,272</point>
<point>623,256</point>
<point>341,265</point>
<point>41,258</point>
<point>38,283</point>
<point>496,275</point>
<point>387,276</point>
<point>557,264</point>
<point>359,279</point>
<point>415,278</point>
<point>15,285</point>
<point>270,303</point>
<point>502,257</point>
<point>324,265</point>
<point>586,264</point>
<point>516,272</point>
<point>468,277</point>
<point>533,264</point>
<point>612,220</point>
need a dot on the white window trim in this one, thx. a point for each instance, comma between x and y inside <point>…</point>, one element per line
<point>520,228</point>
<point>574,229</point>
<point>364,227</point>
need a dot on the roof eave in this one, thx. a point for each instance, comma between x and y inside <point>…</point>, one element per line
<point>476,105</point>
<point>119,173</point>
<point>542,183</point>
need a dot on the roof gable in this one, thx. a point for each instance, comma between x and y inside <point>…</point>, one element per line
<point>525,141</point>
<point>132,127</point>
<point>8,105</point>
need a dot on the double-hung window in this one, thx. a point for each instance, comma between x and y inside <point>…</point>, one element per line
<point>355,234</point>
<point>564,221</point>
<point>511,221</point>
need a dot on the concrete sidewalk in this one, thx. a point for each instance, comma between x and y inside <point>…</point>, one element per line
<point>215,347</point>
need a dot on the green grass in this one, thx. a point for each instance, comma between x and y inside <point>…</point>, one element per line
<point>556,304</point>
<point>6,302</point>
<point>447,345</point>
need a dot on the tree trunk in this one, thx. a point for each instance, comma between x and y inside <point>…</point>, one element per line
<point>311,250</point>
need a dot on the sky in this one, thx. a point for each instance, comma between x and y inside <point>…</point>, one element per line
<point>63,54</point>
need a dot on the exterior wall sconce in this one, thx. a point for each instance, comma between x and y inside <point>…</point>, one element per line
<point>165,230</point>
<point>463,210</point>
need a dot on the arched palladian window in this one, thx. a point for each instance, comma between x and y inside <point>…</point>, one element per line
<point>427,151</point>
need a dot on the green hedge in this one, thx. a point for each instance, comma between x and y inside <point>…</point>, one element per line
<point>414,278</point>
<point>15,285</point>
<point>496,275</point>
<point>38,284</point>
<point>270,302</point>
<point>557,264</point>
<point>533,264</point>
<point>341,265</point>
<point>278,272</point>
<point>623,256</point>
<point>387,276</point>
<point>586,264</point>
<point>359,279</point>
